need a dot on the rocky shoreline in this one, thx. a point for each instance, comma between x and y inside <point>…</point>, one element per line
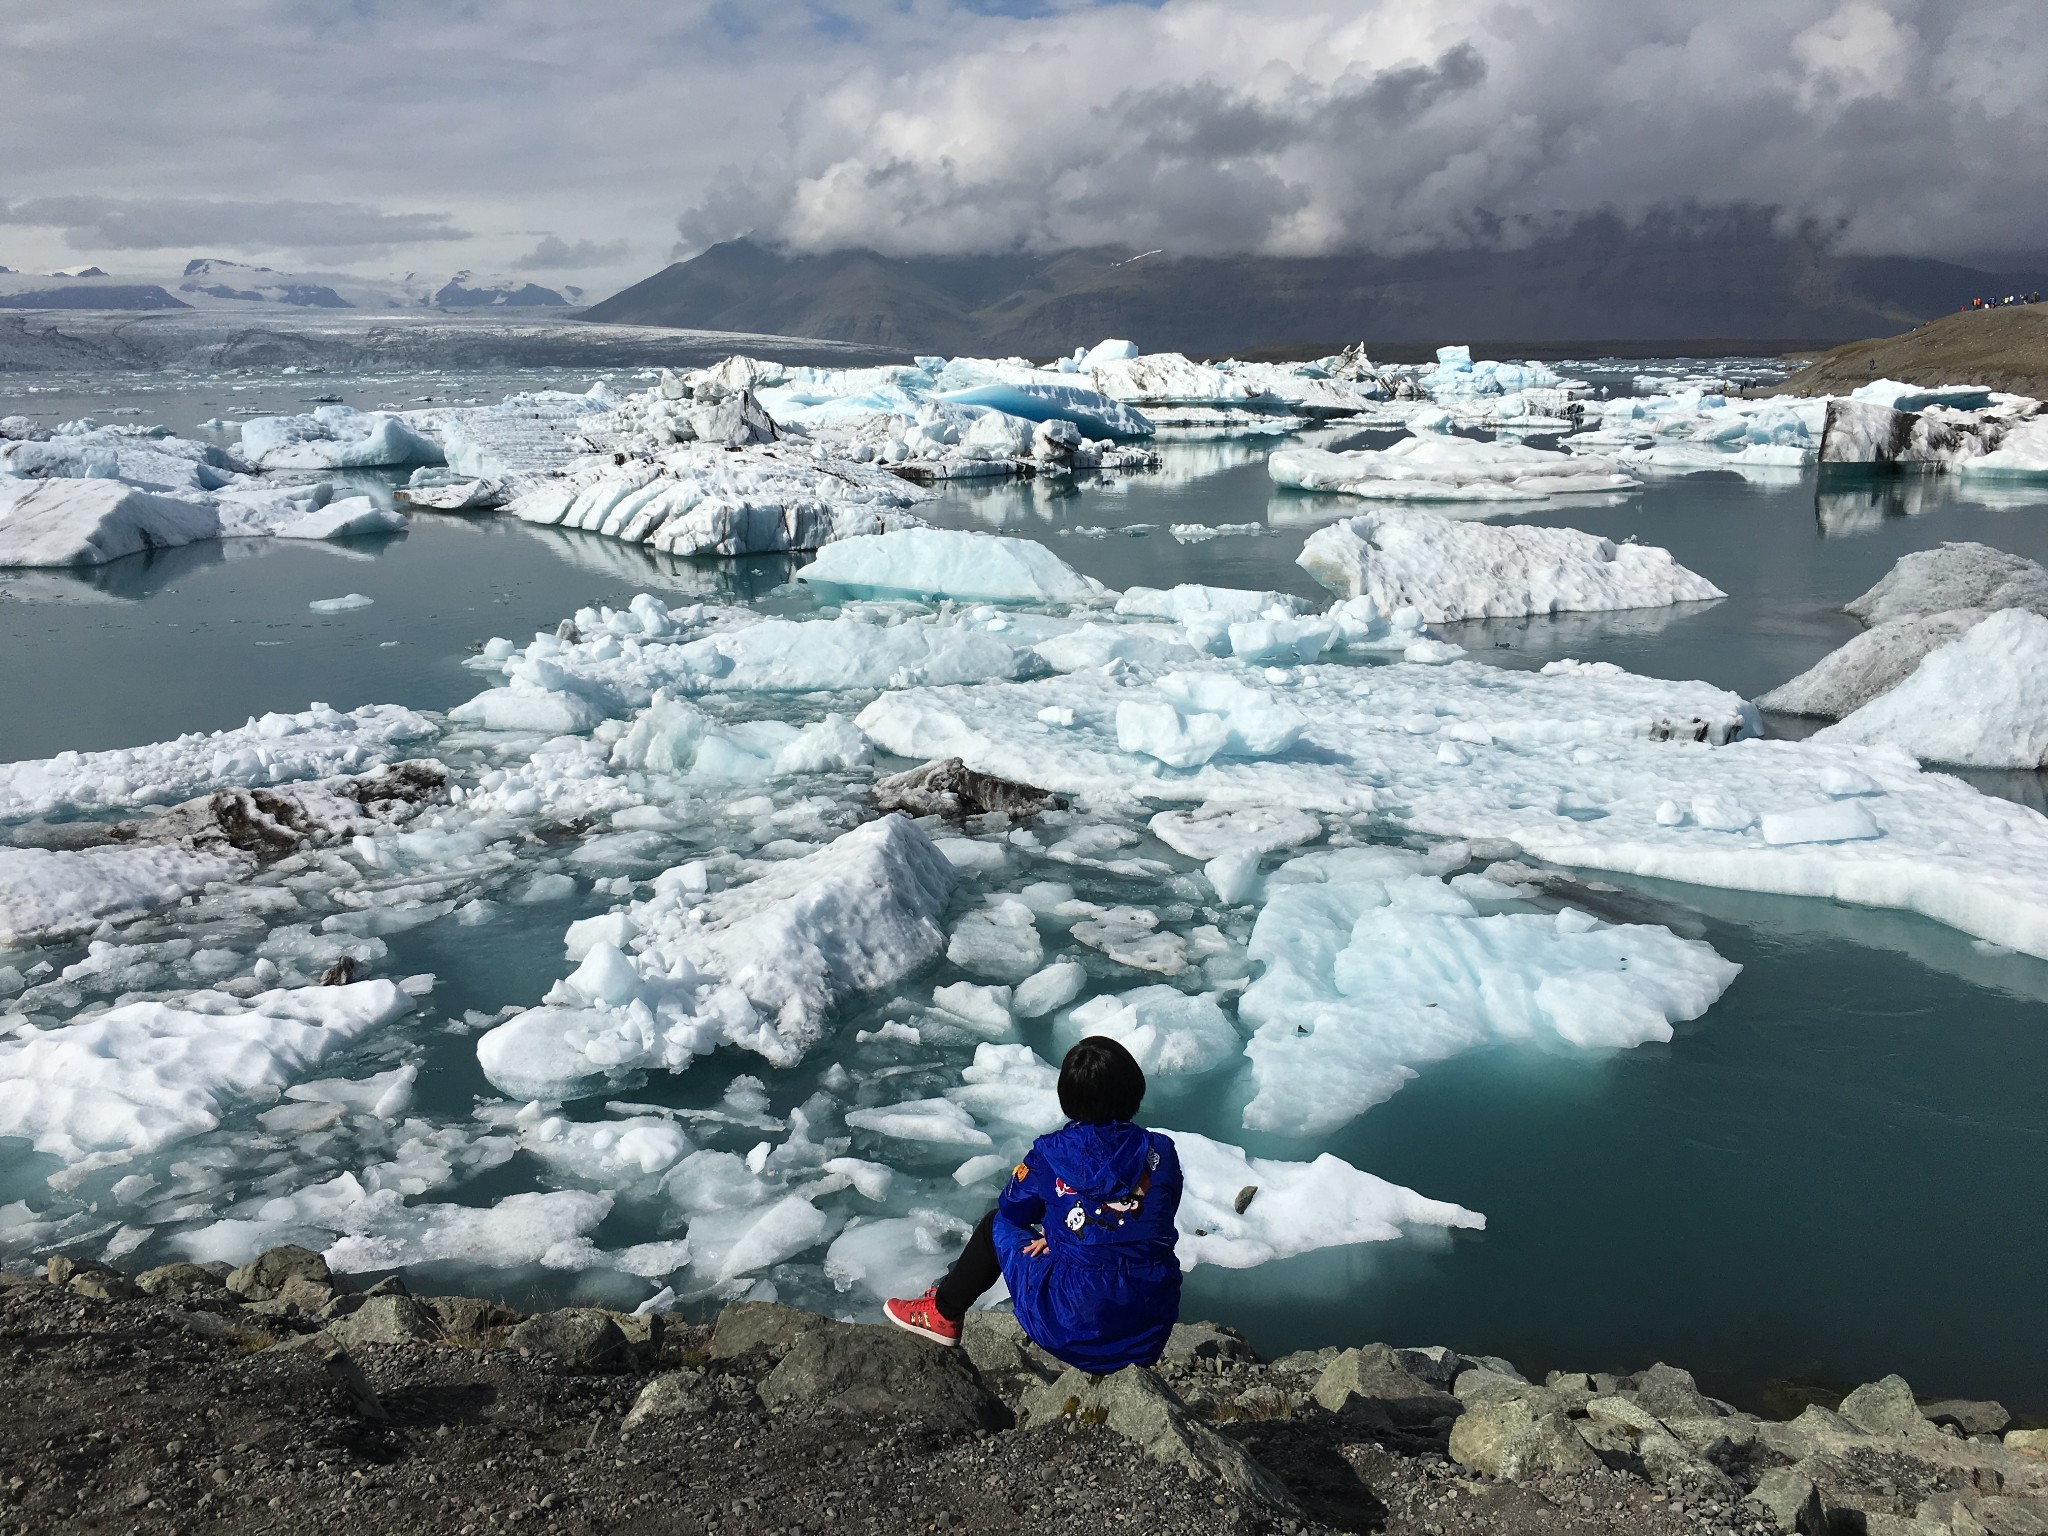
<point>274,1398</point>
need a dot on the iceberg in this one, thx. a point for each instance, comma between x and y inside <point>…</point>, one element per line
<point>1441,468</point>
<point>699,499</point>
<point>64,522</point>
<point>1449,570</point>
<point>1978,701</point>
<point>1056,400</point>
<point>1931,581</point>
<point>762,966</point>
<point>942,562</point>
<point>1369,974</point>
<point>336,437</point>
<point>146,1075</point>
<point>1873,663</point>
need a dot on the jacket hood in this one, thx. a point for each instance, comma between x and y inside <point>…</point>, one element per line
<point>1102,1162</point>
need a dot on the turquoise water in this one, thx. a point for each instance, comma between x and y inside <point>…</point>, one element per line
<point>1834,1173</point>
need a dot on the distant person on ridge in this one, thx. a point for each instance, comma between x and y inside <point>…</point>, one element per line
<point>1099,1286</point>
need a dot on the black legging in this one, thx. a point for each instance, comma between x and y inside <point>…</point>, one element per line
<point>972,1273</point>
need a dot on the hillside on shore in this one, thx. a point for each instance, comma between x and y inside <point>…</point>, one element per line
<point>2004,348</point>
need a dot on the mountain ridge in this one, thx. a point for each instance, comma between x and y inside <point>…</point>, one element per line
<point>1733,277</point>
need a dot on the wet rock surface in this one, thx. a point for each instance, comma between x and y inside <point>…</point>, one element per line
<point>279,1397</point>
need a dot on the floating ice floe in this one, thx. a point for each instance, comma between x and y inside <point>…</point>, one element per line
<point>1441,468</point>
<point>1954,576</point>
<point>761,966</point>
<point>942,562</point>
<point>1449,571</point>
<point>1581,764</point>
<point>1689,430</point>
<point>48,894</point>
<point>558,686</point>
<point>316,743</point>
<point>1374,967</point>
<point>1873,663</point>
<point>148,1074</point>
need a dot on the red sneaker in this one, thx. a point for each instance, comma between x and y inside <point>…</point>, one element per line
<point>922,1317</point>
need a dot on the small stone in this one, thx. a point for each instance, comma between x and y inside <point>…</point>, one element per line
<point>361,1395</point>
<point>679,1394</point>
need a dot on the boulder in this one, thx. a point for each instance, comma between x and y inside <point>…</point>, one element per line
<point>263,1277</point>
<point>1442,1367</point>
<point>1972,1418</point>
<point>1000,1349</point>
<point>1990,1515</point>
<point>582,1338</point>
<point>384,1320</point>
<point>467,1320</point>
<point>85,1278</point>
<point>1483,1384</point>
<point>1516,1438</point>
<point>1625,1411</point>
<point>1372,1381</point>
<point>865,1371</point>
<point>183,1284</point>
<point>1137,1405</point>
<point>2028,1442</point>
<point>1671,1393</point>
<point>1190,1342</point>
<point>1886,1408</point>
<point>677,1395</point>
<point>759,1330</point>
<point>1787,1498</point>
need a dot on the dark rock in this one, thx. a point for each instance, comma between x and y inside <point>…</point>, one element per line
<point>467,1320</point>
<point>339,974</point>
<point>1372,1381</point>
<point>582,1338</point>
<point>263,1277</point>
<point>949,788</point>
<point>1972,1418</point>
<point>1204,1341</point>
<point>874,1372</point>
<point>1137,1405</point>
<point>759,1331</point>
<point>678,1395</point>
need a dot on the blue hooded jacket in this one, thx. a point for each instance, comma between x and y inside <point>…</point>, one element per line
<point>1106,1293</point>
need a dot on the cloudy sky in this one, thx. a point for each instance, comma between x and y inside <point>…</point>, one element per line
<point>593,142</point>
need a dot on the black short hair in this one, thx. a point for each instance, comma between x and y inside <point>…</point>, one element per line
<point>1100,1082</point>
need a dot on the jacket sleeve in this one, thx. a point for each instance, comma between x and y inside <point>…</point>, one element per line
<point>1022,1201</point>
<point>1166,1177</point>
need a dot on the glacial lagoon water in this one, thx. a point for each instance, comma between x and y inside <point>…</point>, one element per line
<point>1834,1173</point>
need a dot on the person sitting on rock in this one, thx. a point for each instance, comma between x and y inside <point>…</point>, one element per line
<point>1082,1234</point>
